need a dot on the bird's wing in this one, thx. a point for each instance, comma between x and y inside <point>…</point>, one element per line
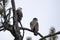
<point>31,25</point>
<point>36,25</point>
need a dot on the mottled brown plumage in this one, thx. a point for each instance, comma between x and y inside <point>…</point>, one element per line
<point>34,26</point>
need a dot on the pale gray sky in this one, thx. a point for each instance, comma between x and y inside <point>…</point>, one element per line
<point>47,12</point>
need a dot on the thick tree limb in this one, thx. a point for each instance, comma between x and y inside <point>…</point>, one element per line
<point>50,35</point>
<point>29,30</point>
<point>15,21</point>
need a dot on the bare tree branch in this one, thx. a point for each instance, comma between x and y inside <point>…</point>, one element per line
<point>50,35</point>
<point>23,30</point>
<point>20,28</point>
<point>30,31</point>
<point>1,26</point>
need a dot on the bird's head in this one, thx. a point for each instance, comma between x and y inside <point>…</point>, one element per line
<point>35,19</point>
<point>19,8</point>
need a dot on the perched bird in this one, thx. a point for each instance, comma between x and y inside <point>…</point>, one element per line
<point>19,17</point>
<point>19,14</point>
<point>34,26</point>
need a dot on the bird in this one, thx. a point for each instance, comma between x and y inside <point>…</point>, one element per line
<point>34,26</point>
<point>19,17</point>
<point>19,14</point>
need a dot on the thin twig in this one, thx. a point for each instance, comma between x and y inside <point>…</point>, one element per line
<point>22,27</point>
<point>50,35</point>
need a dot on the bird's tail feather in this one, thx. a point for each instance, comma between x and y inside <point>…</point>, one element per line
<point>35,32</point>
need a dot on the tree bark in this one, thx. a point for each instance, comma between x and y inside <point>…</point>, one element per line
<point>15,22</point>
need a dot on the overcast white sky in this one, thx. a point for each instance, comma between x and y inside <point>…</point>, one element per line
<point>47,12</point>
